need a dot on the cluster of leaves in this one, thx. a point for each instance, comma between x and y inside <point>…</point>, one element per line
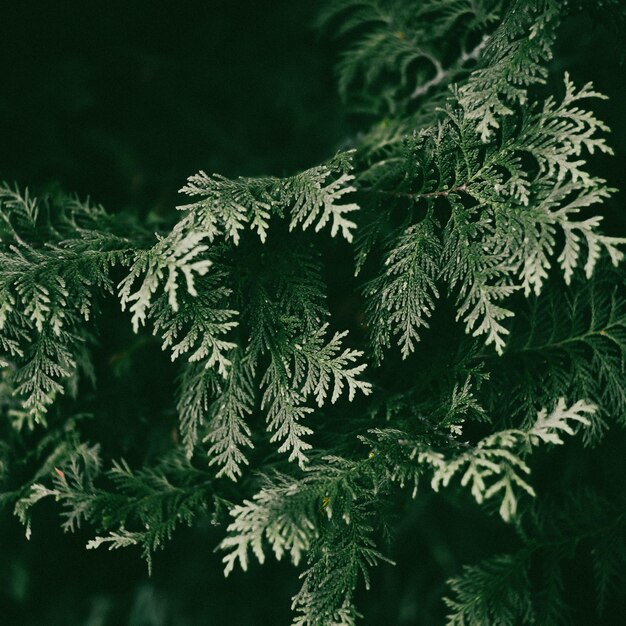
<point>329,513</point>
<point>569,343</point>
<point>400,52</point>
<point>527,585</point>
<point>55,258</point>
<point>140,508</point>
<point>506,215</point>
<point>467,202</point>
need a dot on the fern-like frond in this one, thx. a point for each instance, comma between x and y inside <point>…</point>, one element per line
<point>141,508</point>
<point>56,257</point>
<point>228,432</point>
<point>338,559</point>
<point>493,468</point>
<point>402,298</point>
<point>495,592</point>
<point>513,60</point>
<point>199,327</point>
<point>569,343</point>
<point>527,586</point>
<point>401,51</point>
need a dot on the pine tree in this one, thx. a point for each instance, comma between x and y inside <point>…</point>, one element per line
<point>474,219</point>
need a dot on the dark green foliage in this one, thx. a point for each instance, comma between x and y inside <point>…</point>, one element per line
<point>489,330</point>
<point>499,590</point>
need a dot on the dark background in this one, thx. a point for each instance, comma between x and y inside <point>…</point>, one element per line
<point>122,101</point>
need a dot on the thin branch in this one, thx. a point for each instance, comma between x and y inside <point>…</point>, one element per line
<point>441,74</point>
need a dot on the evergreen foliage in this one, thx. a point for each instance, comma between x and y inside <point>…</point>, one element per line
<point>483,270</point>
